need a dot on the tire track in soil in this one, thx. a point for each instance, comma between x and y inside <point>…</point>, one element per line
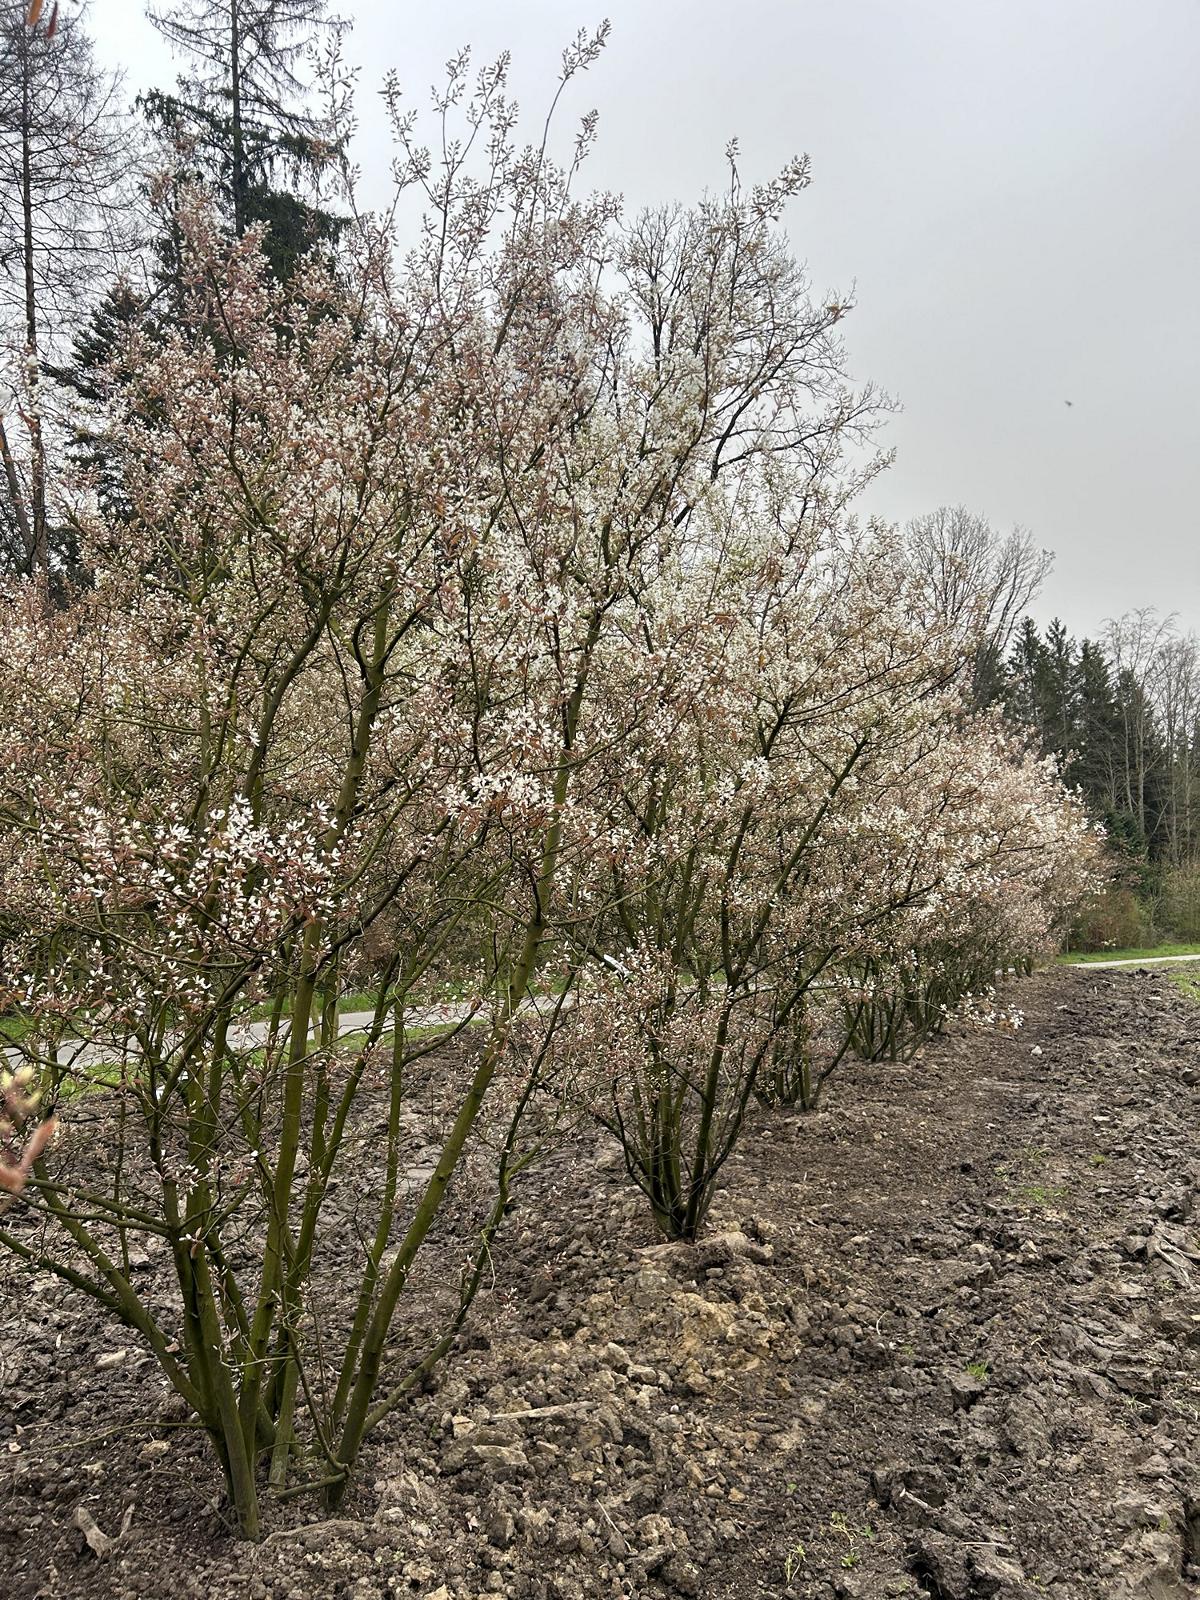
<point>1005,1321</point>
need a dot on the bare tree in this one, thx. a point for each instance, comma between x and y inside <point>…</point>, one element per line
<point>63,160</point>
<point>977,577</point>
<point>1179,709</point>
<point>1135,643</point>
<point>1161,720</point>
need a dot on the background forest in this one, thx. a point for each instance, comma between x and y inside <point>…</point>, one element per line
<point>1121,713</point>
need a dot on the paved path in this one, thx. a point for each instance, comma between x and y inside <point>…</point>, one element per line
<point>1128,961</point>
<point>253,1035</point>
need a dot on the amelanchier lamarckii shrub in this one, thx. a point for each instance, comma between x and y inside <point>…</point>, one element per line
<point>829,843</point>
<point>462,608</point>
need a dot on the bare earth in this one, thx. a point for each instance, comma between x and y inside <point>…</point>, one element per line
<point>944,1340</point>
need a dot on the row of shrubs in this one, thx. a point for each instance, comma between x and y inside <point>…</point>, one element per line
<point>486,618</point>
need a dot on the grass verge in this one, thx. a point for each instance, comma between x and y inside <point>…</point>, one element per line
<point>1188,983</point>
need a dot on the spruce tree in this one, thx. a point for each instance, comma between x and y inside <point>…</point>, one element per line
<point>243,110</point>
<point>1097,763</point>
<point>241,121</point>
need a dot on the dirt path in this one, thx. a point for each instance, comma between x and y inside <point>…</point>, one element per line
<point>944,1341</point>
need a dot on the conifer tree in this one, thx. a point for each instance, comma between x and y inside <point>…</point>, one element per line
<point>243,109</point>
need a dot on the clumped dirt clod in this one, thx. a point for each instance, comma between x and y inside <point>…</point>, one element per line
<point>943,1340</point>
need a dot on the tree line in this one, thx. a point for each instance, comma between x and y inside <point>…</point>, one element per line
<point>1122,715</point>
<point>1119,713</point>
<point>1122,712</point>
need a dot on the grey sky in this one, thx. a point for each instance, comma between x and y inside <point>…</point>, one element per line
<point>1013,185</point>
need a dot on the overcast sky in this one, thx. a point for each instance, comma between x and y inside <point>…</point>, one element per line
<point>1013,186</point>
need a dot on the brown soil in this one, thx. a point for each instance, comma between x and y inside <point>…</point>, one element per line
<point>943,1340</point>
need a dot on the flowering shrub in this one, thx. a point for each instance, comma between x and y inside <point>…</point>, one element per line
<point>826,825</point>
<point>1003,853</point>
